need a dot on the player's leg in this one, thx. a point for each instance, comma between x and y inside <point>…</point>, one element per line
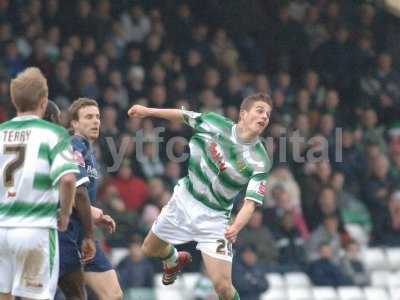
<point>72,285</point>
<point>172,227</point>
<point>36,262</point>
<point>104,284</point>
<point>219,272</point>
<point>6,267</point>
<point>173,260</point>
<point>71,280</point>
<point>155,247</point>
<point>100,276</point>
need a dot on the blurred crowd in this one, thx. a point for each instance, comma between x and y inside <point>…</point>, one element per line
<point>329,67</point>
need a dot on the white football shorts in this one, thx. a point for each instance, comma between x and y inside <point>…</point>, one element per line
<point>29,262</point>
<point>184,219</point>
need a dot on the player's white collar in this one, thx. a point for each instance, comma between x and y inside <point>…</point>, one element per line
<point>237,139</point>
<point>27,117</point>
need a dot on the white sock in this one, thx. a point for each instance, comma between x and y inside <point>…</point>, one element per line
<point>171,259</point>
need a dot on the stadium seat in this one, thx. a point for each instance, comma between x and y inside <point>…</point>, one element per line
<point>380,278</point>
<point>297,279</point>
<point>350,293</point>
<point>357,233</point>
<point>170,293</point>
<point>189,280</point>
<point>274,294</point>
<point>393,257</point>
<point>394,293</point>
<point>375,293</point>
<point>324,293</point>
<point>179,283</point>
<point>374,259</point>
<point>117,254</point>
<point>139,293</point>
<point>394,280</point>
<point>299,293</point>
<point>275,280</point>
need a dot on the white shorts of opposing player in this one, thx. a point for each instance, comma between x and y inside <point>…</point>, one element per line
<point>186,219</point>
<point>29,262</point>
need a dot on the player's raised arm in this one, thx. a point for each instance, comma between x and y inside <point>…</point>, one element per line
<point>140,111</point>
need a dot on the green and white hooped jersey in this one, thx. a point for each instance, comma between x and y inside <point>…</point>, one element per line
<point>34,154</point>
<point>220,165</point>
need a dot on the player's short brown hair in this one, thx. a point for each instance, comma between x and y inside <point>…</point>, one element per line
<point>27,88</point>
<point>77,105</point>
<point>248,102</point>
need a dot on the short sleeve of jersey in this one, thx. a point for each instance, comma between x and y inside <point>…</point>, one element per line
<point>62,161</point>
<point>206,122</point>
<point>79,152</point>
<point>256,188</point>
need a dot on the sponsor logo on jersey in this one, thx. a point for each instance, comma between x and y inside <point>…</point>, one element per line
<point>78,157</point>
<point>92,172</point>
<point>217,156</point>
<point>262,188</point>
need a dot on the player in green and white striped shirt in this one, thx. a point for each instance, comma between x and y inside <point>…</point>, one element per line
<point>36,168</point>
<point>226,159</point>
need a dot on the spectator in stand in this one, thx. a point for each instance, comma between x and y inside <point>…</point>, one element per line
<point>316,31</point>
<point>290,244</point>
<point>395,166</point>
<point>87,85</point>
<point>261,238</point>
<point>372,132</point>
<point>381,84</point>
<point>150,162</point>
<point>135,270</point>
<point>157,189</point>
<point>60,86</point>
<point>135,24</point>
<point>327,233</point>
<point>352,265</point>
<point>136,75</point>
<point>327,205</point>
<point>377,187</point>
<point>386,228</point>
<point>281,175</point>
<point>315,89</point>
<point>127,220</point>
<point>318,174</point>
<point>12,62</point>
<point>353,211</point>
<point>132,189</point>
<point>282,204</point>
<point>352,161</point>
<point>333,59</point>
<point>324,271</point>
<point>248,275</point>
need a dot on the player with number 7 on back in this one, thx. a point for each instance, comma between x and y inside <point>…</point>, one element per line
<point>37,171</point>
<point>225,159</point>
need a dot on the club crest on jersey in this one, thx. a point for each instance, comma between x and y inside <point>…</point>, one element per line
<point>241,165</point>
<point>262,188</point>
<point>78,157</point>
<point>217,156</point>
